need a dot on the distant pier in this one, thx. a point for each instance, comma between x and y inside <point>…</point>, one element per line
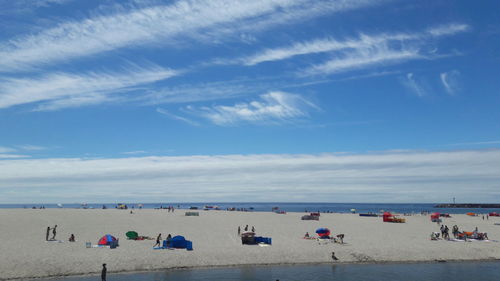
<point>468,205</point>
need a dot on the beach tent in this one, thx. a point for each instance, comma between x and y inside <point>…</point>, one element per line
<point>132,235</point>
<point>107,239</point>
<point>323,232</point>
<point>178,242</point>
<point>387,217</point>
<point>435,217</point>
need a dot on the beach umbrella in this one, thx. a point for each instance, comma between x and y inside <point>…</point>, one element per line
<point>323,232</point>
<point>106,239</point>
<point>132,235</point>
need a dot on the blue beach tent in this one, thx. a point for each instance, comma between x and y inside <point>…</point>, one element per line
<point>178,242</point>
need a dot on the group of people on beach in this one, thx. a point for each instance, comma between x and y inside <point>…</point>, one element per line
<point>168,208</point>
<point>54,232</point>
<point>457,234</point>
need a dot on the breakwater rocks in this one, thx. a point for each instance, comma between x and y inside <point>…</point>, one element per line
<point>468,205</point>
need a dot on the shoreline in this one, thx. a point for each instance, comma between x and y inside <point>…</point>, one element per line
<point>216,244</point>
<point>260,265</point>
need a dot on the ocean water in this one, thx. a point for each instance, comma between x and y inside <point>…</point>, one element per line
<point>288,207</point>
<point>456,271</point>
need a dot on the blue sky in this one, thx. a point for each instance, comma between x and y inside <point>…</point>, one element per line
<point>340,101</point>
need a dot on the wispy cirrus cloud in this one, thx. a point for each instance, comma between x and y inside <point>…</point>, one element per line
<point>450,81</point>
<point>24,6</point>
<point>414,176</point>
<point>362,58</point>
<point>135,152</point>
<point>177,117</point>
<point>61,90</point>
<point>495,142</point>
<point>272,108</point>
<point>331,44</point>
<point>413,85</point>
<point>204,91</point>
<point>162,23</point>
<point>30,147</point>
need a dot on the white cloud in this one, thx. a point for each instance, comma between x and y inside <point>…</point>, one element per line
<point>330,45</point>
<point>450,81</point>
<point>411,83</point>
<point>164,23</point>
<point>61,90</point>
<point>448,29</point>
<point>30,147</point>
<point>135,152</point>
<point>372,177</point>
<point>361,58</point>
<point>27,6</point>
<point>273,107</point>
<point>199,92</point>
<point>477,143</point>
<point>12,156</point>
<point>4,149</point>
<point>176,117</point>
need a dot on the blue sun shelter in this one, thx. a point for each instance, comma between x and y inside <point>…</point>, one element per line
<point>178,242</point>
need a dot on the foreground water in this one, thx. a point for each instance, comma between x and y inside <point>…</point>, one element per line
<point>456,271</point>
<point>288,207</point>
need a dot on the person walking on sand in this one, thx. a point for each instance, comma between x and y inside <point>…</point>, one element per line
<point>158,239</point>
<point>47,234</point>
<point>104,271</point>
<point>239,230</point>
<point>334,257</point>
<point>54,232</point>
<point>246,227</point>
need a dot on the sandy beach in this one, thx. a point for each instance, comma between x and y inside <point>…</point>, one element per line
<point>26,254</point>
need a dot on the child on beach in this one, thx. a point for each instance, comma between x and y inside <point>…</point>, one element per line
<point>158,239</point>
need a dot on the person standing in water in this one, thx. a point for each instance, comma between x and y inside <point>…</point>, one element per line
<point>104,271</point>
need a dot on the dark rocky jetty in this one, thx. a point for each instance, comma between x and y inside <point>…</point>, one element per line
<point>468,205</point>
